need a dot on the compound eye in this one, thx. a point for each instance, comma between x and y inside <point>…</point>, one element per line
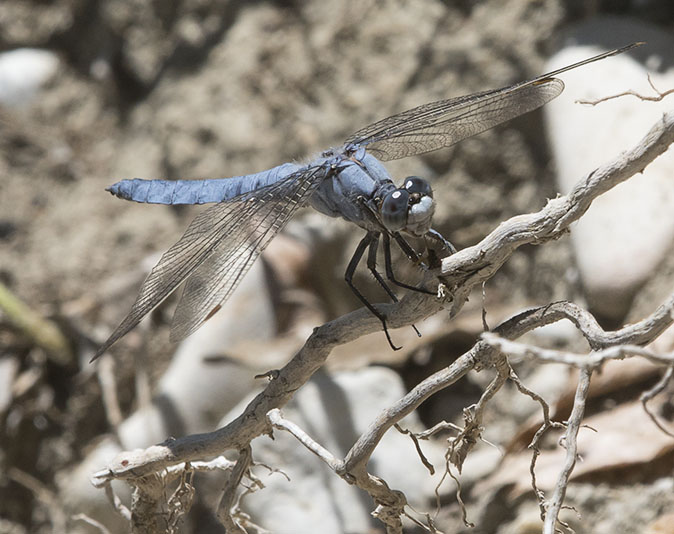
<point>416,185</point>
<point>394,210</point>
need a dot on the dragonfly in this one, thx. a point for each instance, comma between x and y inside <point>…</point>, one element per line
<point>351,182</point>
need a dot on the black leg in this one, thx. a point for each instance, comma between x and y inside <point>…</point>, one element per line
<point>372,266</point>
<point>404,245</point>
<point>348,276</point>
<point>435,254</point>
<point>388,265</point>
<point>407,248</point>
<point>437,236</point>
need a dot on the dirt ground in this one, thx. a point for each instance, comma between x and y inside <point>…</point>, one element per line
<point>198,89</point>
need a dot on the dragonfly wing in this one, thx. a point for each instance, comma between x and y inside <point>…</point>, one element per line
<point>443,123</point>
<point>255,224</point>
<point>218,247</point>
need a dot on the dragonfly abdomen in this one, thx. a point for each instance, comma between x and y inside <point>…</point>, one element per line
<point>197,191</point>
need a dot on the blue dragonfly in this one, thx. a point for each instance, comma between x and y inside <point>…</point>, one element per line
<point>222,242</point>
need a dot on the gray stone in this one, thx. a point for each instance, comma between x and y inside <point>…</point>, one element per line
<point>627,232</point>
<point>22,72</point>
<point>334,411</point>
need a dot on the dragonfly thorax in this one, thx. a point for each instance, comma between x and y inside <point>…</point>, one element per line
<point>408,208</point>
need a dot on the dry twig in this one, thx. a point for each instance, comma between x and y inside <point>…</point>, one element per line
<point>657,98</point>
<point>653,392</point>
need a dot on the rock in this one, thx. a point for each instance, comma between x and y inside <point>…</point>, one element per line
<point>203,382</point>
<point>627,232</point>
<point>80,497</point>
<point>200,385</point>
<point>22,72</point>
<point>334,410</point>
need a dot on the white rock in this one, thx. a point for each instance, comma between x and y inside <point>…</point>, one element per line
<point>80,497</point>
<point>334,411</point>
<point>626,233</point>
<point>22,72</point>
<point>192,395</point>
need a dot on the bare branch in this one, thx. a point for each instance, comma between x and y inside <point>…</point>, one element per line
<point>472,265</point>
<point>390,503</point>
<point>639,333</point>
<point>364,447</point>
<point>226,508</point>
<point>654,391</point>
<point>216,464</point>
<point>116,502</point>
<point>179,504</point>
<point>253,421</point>
<point>428,465</point>
<point>473,417</point>
<point>547,425</point>
<point>642,332</point>
<point>96,524</point>
<point>581,361</point>
<point>438,427</point>
<point>278,421</point>
<point>657,98</point>
<point>571,435</point>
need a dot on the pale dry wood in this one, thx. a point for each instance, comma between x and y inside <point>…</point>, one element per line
<point>659,95</point>
<point>571,444</point>
<point>228,501</point>
<point>582,361</point>
<point>96,524</point>
<point>652,393</point>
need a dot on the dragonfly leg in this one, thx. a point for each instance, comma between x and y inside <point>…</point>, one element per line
<point>388,264</point>
<point>437,236</point>
<point>435,255</point>
<point>404,245</point>
<point>372,266</point>
<point>348,276</point>
<point>407,249</point>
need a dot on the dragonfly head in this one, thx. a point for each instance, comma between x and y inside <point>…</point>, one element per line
<point>409,208</point>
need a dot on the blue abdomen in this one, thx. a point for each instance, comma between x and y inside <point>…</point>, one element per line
<point>197,191</point>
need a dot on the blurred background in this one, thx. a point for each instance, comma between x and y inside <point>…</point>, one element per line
<point>92,92</point>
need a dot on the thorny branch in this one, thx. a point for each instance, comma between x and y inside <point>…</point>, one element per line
<point>459,273</point>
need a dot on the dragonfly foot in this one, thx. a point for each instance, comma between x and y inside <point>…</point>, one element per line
<point>388,337</point>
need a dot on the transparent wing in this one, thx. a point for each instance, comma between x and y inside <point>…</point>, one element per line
<point>443,123</point>
<point>215,252</point>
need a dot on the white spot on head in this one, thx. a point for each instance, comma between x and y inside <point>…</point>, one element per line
<point>395,194</point>
<point>408,184</point>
